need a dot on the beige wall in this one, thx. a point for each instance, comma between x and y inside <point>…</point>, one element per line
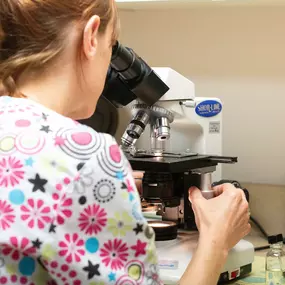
<point>238,55</point>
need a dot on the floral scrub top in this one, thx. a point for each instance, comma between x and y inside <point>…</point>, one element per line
<point>69,210</point>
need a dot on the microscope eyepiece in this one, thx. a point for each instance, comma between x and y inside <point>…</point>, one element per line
<point>130,78</point>
<point>126,62</point>
<point>122,59</point>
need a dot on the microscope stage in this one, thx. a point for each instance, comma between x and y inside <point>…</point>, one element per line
<point>175,164</point>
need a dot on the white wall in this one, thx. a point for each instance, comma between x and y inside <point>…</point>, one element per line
<point>236,54</point>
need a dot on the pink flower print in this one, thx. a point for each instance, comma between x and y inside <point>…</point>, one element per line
<point>114,253</point>
<point>152,276</point>
<point>92,219</point>
<point>63,272</point>
<point>115,153</point>
<point>36,213</point>
<point>18,247</point>
<point>7,217</point>
<point>11,172</point>
<point>72,248</point>
<point>139,248</point>
<point>129,186</point>
<point>62,208</point>
<point>59,141</point>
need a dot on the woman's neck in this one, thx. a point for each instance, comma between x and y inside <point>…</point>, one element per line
<point>54,91</point>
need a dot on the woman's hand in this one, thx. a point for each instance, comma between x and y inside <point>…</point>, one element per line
<point>222,223</point>
<point>225,218</point>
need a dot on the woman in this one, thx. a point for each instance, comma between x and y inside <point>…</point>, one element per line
<point>69,209</point>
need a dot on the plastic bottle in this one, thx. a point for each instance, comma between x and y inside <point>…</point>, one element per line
<point>275,261</point>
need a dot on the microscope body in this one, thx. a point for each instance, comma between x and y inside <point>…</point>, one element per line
<point>177,143</point>
<point>175,139</point>
<point>174,146</point>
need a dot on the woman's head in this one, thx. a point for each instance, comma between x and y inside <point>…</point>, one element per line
<point>38,38</point>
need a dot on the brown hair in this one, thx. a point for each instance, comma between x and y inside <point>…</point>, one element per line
<point>32,33</point>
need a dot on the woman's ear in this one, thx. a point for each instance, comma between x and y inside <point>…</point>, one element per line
<point>90,37</point>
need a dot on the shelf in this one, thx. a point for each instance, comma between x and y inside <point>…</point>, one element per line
<point>167,4</point>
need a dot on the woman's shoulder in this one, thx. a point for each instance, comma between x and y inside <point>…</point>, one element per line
<point>28,129</point>
<point>20,113</point>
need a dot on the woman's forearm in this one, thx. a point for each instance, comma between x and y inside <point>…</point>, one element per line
<point>206,264</point>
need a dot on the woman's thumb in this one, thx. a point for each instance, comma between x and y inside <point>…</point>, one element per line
<point>195,194</point>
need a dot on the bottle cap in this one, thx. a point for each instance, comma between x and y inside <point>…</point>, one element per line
<point>275,239</point>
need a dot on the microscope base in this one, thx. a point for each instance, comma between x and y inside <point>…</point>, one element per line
<point>175,255</point>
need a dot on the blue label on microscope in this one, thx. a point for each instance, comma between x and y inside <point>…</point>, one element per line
<point>209,108</point>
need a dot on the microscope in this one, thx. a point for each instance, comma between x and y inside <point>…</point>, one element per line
<point>175,139</point>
